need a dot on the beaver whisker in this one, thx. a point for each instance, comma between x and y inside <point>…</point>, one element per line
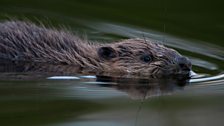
<point>157,65</point>
<point>165,60</point>
<point>171,68</point>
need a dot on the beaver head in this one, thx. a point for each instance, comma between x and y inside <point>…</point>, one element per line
<point>138,56</point>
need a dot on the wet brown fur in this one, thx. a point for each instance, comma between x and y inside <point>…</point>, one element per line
<point>27,42</point>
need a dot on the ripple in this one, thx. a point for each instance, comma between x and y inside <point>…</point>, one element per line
<point>203,63</point>
<point>212,79</point>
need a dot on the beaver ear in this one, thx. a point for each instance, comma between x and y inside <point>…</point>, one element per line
<point>107,53</point>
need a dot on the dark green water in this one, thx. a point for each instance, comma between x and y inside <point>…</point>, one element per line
<point>194,28</point>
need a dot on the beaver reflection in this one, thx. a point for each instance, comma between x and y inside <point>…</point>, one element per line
<point>138,88</point>
<point>135,87</point>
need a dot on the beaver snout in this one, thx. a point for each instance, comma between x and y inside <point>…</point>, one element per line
<point>184,63</point>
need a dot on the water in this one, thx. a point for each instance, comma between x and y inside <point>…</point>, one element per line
<point>194,28</point>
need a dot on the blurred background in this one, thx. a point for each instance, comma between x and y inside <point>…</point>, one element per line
<point>194,28</point>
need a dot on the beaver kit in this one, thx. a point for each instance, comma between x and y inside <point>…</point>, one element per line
<point>26,42</point>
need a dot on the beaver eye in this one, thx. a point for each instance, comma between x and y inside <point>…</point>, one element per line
<point>146,58</point>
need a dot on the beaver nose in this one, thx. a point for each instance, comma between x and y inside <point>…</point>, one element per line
<point>184,63</point>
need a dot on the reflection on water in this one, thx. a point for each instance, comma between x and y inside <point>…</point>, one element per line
<point>135,87</point>
<point>58,96</point>
<point>144,88</point>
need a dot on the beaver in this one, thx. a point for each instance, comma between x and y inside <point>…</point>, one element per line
<point>24,41</point>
